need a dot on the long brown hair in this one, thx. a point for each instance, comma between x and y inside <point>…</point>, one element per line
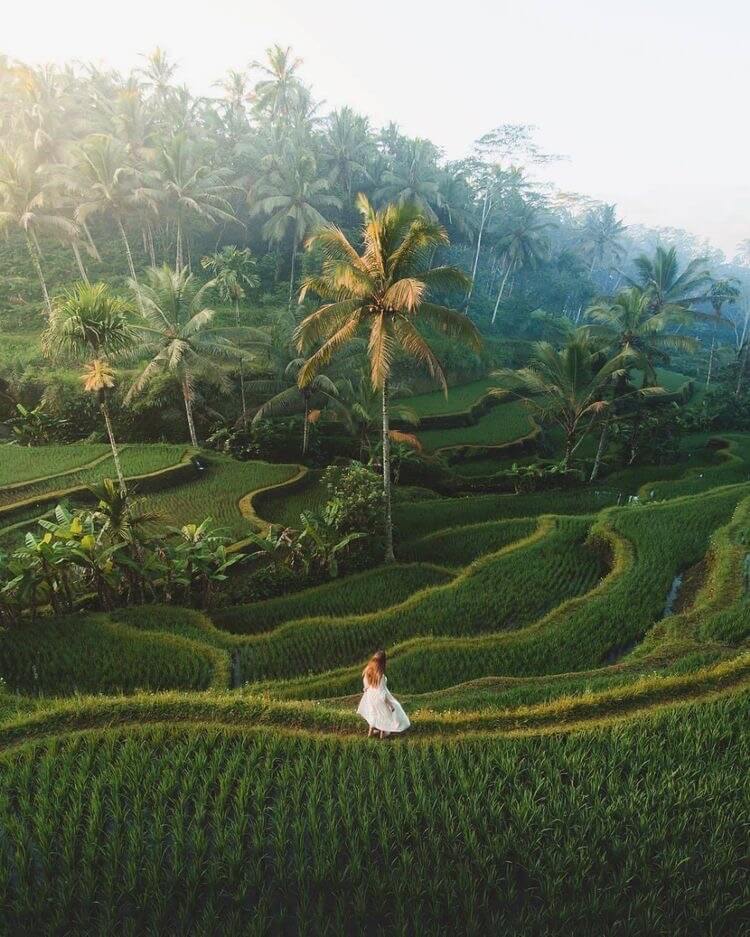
<point>375,669</point>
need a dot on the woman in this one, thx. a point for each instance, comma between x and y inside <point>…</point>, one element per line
<point>382,711</point>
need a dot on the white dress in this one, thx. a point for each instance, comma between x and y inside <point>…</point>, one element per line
<point>381,709</point>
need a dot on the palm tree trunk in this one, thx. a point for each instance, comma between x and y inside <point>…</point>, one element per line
<point>601,449</point>
<point>486,208</point>
<point>742,364</point>
<point>711,358</point>
<point>178,254</point>
<point>568,450</point>
<point>94,251</point>
<point>242,368</point>
<point>149,235</point>
<point>500,294</point>
<point>189,412</point>
<point>34,254</point>
<point>128,252</point>
<point>79,262</point>
<point>306,427</point>
<point>131,265</point>
<point>291,277</point>
<point>389,557</point>
<point>113,445</point>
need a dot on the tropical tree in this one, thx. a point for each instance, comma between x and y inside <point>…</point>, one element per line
<point>521,241</point>
<point>293,196</point>
<point>382,291</point>
<point>92,325</point>
<point>361,411</point>
<point>602,235</point>
<point>660,276</point>
<point>29,202</point>
<point>191,190</point>
<point>413,178</point>
<point>632,323</point>
<point>347,148</point>
<point>721,292</point>
<point>233,272</point>
<point>642,335</point>
<point>178,335</point>
<point>106,183</point>
<point>565,387</point>
<point>278,91</point>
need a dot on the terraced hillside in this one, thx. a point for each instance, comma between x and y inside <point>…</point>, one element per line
<point>578,676</point>
<point>177,490</point>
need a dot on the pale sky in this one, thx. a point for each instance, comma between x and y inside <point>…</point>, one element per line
<point>647,98</point>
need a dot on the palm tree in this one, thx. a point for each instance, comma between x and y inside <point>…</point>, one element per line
<point>631,323</point>
<point>457,198</point>
<point>413,177</point>
<point>361,411</point>
<point>602,236</point>
<point>638,333</point>
<point>192,189</point>
<point>279,367</point>
<point>289,397</point>
<point>89,323</point>
<point>107,184</point>
<point>382,291</point>
<point>278,91</point>
<point>233,272</point>
<point>347,149</point>
<point>522,242</point>
<point>666,284</point>
<point>181,342</point>
<point>721,292</point>
<point>293,196</point>
<point>28,202</point>
<point>492,182</point>
<point>566,387</point>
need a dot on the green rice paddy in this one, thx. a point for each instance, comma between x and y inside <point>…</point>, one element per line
<point>576,760</point>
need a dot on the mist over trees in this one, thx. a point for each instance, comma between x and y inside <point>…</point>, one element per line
<point>101,171</point>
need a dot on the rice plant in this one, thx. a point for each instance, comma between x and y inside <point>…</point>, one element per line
<point>173,829</point>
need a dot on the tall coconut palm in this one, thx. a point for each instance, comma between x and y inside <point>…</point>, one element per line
<point>90,324</point>
<point>294,197</point>
<point>107,184</point>
<point>602,235</point>
<point>277,93</point>
<point>382,291</point>
<point>641,335</point>
<point>521,242</point>
<point>192,190</point>
<point>178,335</point>
<point>666,284</point>
<point>631,323</point>
<point>233,272</point>
<point>29,202</point>
<point>720,293</point>
<point>347,148</point>
<point>413,178</point>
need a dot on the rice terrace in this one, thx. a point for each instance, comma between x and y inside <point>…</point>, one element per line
<point>374,526</point>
